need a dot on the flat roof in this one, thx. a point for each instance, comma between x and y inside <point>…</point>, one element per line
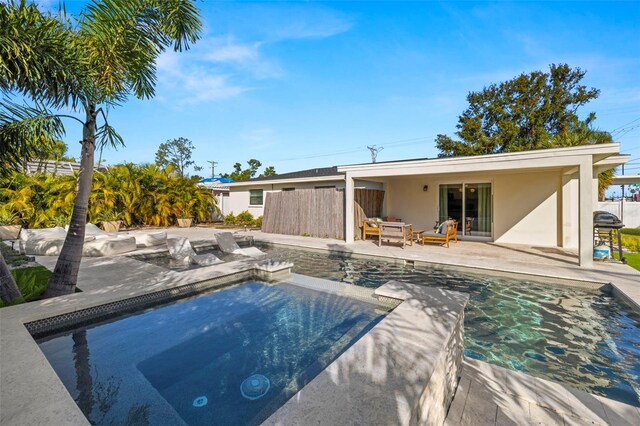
<point>626,180</point>
<point>539,158</point>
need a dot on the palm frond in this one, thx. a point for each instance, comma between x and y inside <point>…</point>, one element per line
<point>22,129</point>
<point>37,55</point>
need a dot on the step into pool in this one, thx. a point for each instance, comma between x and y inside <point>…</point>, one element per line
<point>226,357</point>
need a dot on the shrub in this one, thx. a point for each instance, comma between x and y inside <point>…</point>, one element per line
<point>230,219</point>
<point>244,218</point>
<point>258,222</point>
<point>631,243</point>
<point>631,231</point>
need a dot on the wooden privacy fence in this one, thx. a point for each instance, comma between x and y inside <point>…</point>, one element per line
<point>312,212</point>
<point>367,203</point>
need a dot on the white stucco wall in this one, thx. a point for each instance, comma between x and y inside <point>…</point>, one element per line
<point>526,206</point>
<point>631,215</point>
<point>239,197</point>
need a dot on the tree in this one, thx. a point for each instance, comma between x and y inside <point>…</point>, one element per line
<point>175,152</point>
<point>84,65</point>
<point>240,174</point>
<point>532,111</point>
<point>269,171</point>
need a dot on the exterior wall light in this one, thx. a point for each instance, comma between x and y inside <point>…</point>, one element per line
<point>425,188</point>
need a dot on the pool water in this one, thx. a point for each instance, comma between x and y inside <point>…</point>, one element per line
<point>185,362</point>
<point>581,338</point>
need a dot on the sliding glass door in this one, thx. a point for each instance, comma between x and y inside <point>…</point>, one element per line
<point>470,205</point>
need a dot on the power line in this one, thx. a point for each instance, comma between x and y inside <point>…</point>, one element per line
<point>626,124</point>
<point>393,144</point>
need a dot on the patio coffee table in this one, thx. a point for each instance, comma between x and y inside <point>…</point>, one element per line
<point>415,235</point>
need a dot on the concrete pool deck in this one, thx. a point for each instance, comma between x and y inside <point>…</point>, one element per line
<point>32,394</point>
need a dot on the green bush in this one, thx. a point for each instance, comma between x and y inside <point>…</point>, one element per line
<point>258,222</point>
<point>32,282</point>
<point>244,218</point>
<point>631,242</point>
<point>230,219</point>
<point>631,231</point>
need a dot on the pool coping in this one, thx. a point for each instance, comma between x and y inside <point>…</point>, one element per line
<point>31,391</point>
<point>403,371</point>
<point>626,290</point>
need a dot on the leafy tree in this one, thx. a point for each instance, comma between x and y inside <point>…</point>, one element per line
<point>85,65</point>
<point>532,111</point>
<point>269,171</point>
<point>240,174</point>
<point>175,152</point>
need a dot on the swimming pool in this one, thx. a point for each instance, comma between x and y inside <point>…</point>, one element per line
<point>585,339</point>
<point>231,356</point>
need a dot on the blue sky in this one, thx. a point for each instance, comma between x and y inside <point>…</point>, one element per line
<point>302,85</point>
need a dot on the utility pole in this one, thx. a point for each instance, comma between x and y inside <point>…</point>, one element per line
<point>374,152</point>
<point>213,168</point>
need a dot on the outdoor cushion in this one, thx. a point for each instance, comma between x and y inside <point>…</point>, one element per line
<point>37,241</point>
<point>149,238</point>
<point>108,245</point>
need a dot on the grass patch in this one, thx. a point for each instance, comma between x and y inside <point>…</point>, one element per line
<point>633,259</point>
<point>32,282</point>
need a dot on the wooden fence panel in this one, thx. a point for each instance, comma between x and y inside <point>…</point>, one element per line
<point>314,212</point>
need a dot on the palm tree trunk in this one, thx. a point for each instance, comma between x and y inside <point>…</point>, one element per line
<point>9,290</point>
<point>65,275</point>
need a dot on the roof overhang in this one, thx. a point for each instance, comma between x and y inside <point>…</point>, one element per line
<point>626,180</point>
<point>526,160</point>
<point>332,178</point>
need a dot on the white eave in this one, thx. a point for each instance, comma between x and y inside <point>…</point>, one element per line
<point>331,178</point>
<point>626,180</point>
<point>538,159</point>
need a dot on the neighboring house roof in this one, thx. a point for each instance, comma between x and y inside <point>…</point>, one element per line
<point>62,168</point>
<point>218,184</point>
<point>215,180</point>
<point>309,175</point>
<point>317,172</point>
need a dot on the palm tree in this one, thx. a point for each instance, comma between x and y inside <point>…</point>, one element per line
<point>86,64</point>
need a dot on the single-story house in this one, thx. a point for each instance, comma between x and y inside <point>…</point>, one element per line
<point>538,198</point>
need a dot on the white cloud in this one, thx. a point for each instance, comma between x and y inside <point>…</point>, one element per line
<point>222,67</point>
<point>188,82</point>
<point>227,49</point>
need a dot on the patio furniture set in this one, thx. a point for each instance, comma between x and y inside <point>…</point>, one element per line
<point>405,234</point>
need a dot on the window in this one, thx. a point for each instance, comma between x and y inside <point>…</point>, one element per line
<point>255,197</point>
<point>288,189</point>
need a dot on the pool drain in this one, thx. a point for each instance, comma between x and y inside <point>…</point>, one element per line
<point>255,386</point>
<point>200,401</point>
